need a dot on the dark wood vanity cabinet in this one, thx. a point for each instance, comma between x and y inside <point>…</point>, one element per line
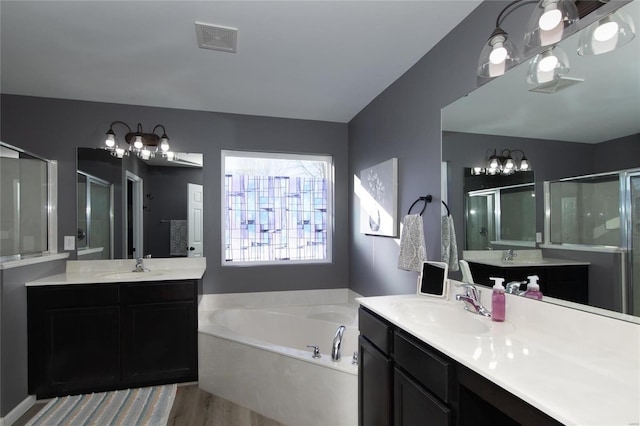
<point>95,337</point>
<point>404,381</point>
<point>570,282</point>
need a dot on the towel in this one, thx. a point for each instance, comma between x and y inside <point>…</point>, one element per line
<point>178,238</point>
<point>449,244</point>
<point>412,246</point>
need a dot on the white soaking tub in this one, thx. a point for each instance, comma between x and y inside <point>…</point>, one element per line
<point>257,357</point>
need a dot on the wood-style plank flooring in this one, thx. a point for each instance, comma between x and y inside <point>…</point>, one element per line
<point>194,407</point>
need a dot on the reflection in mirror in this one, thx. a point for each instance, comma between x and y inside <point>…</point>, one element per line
<point>129,208</point>
<point>584,126</point>
<point>499,211</point>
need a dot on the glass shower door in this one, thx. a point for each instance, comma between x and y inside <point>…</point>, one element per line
<point>634,243</point>
<point>481,219</point>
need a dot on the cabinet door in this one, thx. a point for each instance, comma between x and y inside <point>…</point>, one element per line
<point>160,342</point>
<point>413,405</point>
<point>374,386</point>
<point>81,351</point>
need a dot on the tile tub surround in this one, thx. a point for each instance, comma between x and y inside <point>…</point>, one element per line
<point>105,271</point>
<point>577,367</point>
<point>267,368</point>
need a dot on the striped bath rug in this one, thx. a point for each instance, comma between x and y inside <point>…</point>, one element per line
<point>130,407</point>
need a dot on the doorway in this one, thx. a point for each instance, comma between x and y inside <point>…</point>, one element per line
<point>134,245</point>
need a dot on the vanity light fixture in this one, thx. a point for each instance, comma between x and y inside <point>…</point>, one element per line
<point>144,145</point>
<point>504,164</point>
<point>607,34</point>
<point>550,22</point>
<point>499,54</point>
<point>548,66</point>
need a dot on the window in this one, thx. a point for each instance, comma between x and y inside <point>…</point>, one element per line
<point>24,210</point>
<point>277,208</point>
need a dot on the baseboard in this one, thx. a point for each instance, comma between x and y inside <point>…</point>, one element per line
<point>18,411</point>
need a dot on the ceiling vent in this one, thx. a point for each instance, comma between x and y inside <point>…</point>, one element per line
<point>556,85</point>
<point>215,37</point>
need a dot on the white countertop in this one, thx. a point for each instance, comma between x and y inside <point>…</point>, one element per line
<point>114,271</point>
<point>577,367</point>
<point>522,259</point>
<point>547,261</point>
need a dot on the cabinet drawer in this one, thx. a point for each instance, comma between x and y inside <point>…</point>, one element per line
<point>70,296</point>
<point>413,405</point>
<point>376,330</point>
<point>150,292</point>
<point>430,369</point>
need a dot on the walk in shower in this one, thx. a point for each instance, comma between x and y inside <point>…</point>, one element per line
<point>599,211</point>
<point>95,217</point>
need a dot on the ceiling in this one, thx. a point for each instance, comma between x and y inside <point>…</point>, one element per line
<point>317,60</point>
<point>605,106</point>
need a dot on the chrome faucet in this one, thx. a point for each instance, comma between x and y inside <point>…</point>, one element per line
<point>337,341</point>
<point>471,299</point>
<point>140,266</point>
<point>509,254</point>
<point>513,287</point>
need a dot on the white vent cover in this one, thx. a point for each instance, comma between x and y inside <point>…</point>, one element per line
<point>556,85</point>
<point>216,37</point>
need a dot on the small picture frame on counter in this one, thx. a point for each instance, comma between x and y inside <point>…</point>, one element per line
<point>433,280</point>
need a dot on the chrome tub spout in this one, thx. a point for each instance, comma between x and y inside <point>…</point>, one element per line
<point>337,341</point>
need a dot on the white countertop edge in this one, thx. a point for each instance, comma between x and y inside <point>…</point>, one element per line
<point>71,278</point>
<point>33,260</point>
<point>86,251</point>
<point>458,349</point>
<point>594,249</point>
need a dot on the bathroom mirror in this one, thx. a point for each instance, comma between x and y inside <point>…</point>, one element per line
<point>129,207</point>
<point>586,123</point>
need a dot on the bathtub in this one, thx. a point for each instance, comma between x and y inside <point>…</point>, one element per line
<point>257,357</point>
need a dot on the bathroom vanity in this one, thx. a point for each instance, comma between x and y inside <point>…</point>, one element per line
<point>429,360</point>
<point>93,330</point>
<point>559,278</point>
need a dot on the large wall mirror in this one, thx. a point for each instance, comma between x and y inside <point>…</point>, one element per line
<point>588,123</point>
<point>130,208</point>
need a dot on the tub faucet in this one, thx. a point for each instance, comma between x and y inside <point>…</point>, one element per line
<point>140,266</point>
<point>471,299</point>
<point>337,341</point>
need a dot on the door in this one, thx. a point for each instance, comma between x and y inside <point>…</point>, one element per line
<point>634,243</point>
<point>195,217</point>
<point>134,223</point>
<point>481,219</point>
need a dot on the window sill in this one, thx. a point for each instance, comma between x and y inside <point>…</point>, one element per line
<point>33,260</point>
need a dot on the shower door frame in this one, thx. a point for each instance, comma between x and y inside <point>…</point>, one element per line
<point>627,209</point>
<point>95,180</point>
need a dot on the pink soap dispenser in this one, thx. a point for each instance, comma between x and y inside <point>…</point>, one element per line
<point>533,288</point>
<point>498,300</point>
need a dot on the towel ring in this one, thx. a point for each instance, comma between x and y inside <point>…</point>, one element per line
<point>447,207</point>
<point>427,199</point>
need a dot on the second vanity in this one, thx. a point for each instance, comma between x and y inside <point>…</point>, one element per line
<point>101,326</point>
<point>424,359</point>
<point>559,278</point>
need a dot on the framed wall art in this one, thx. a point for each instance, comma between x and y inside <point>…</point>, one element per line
<point>379,199</point>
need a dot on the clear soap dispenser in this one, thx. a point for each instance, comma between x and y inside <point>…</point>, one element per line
<point>498,300</point>
<point>533,288</point>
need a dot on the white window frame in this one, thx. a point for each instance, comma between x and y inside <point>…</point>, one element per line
<point>280,156</point>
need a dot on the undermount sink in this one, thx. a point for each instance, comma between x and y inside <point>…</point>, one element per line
<point>447,317</point>
<point>123,275</point>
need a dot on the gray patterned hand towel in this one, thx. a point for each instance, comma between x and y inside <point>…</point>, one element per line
<point>178,237</point>
<point>412,246</point>
<point>449,245</point>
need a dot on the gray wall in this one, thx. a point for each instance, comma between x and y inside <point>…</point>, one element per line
<point>404,122</point>
<point>53,128</point>
<point>13,334</point>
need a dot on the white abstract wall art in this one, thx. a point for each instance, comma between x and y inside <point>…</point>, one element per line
<point>378,194</point>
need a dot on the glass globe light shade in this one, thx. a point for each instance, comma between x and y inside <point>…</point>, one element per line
<point>498,55</point>
<point>609,33</point>
<point>548,66</point>
<point>550,22</point>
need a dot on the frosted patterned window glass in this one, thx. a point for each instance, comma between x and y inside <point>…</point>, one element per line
<point>276,208</point>
<point>24,206</point>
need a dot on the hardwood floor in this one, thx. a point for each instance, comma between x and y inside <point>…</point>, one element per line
<point>194,407</point>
